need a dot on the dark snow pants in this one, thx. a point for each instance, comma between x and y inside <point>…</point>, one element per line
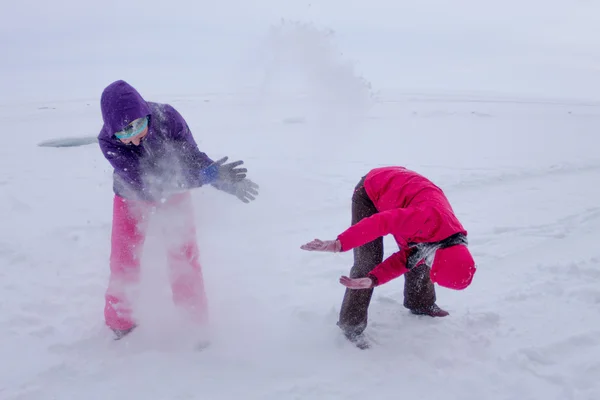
<point>419,291</point>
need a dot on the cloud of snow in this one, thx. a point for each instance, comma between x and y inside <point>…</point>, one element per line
<point>305,80</point>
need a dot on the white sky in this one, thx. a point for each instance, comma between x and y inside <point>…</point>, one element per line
<point>72,49</point>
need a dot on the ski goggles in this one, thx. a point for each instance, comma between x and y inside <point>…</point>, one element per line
<point>133,129</point>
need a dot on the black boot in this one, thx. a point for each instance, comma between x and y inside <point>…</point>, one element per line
<point>355,335</point>
<point>120,333</point>
<point>432,311</point>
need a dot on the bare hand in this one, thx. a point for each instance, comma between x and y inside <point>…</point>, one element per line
<point>357,283</point>
<point>332,246</point>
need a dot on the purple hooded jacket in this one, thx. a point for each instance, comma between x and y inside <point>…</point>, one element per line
<point>166,161</point>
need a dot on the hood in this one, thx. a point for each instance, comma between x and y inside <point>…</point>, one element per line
<point>121,104</point>
<point>453,267</point>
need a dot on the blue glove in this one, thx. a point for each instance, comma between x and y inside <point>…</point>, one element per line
<point>209,174</point>
<point>227,173</point>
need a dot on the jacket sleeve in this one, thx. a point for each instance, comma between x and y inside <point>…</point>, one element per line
<point>127,169</point>
<point>403,222</point>
<point>391,268</point>
<point>195,162</point>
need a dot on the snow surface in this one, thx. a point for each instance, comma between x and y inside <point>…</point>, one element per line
<point>521,171</point>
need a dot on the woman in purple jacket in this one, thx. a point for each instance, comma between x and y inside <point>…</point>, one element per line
<point>156,162</point>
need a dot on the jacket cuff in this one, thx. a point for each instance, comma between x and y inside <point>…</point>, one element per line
<point>373,279</point>
<point>209,174</point>
<point>340,240</point>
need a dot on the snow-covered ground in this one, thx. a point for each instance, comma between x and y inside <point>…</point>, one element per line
<point>522,173</point>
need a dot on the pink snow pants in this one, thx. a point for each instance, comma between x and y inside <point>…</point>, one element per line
<point>130,218</point>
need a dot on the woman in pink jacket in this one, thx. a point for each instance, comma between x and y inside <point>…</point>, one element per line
<point>432,245</point>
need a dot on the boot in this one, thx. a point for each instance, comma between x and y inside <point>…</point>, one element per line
<point>120,333</point>
<point>432,311</point>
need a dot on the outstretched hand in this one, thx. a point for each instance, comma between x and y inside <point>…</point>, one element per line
<point>245,190</point>
<point>356,283</point>
<point>332,246</point>
<point>228,172</point>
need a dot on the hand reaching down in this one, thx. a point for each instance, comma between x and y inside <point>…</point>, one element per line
<point>357,283</point>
